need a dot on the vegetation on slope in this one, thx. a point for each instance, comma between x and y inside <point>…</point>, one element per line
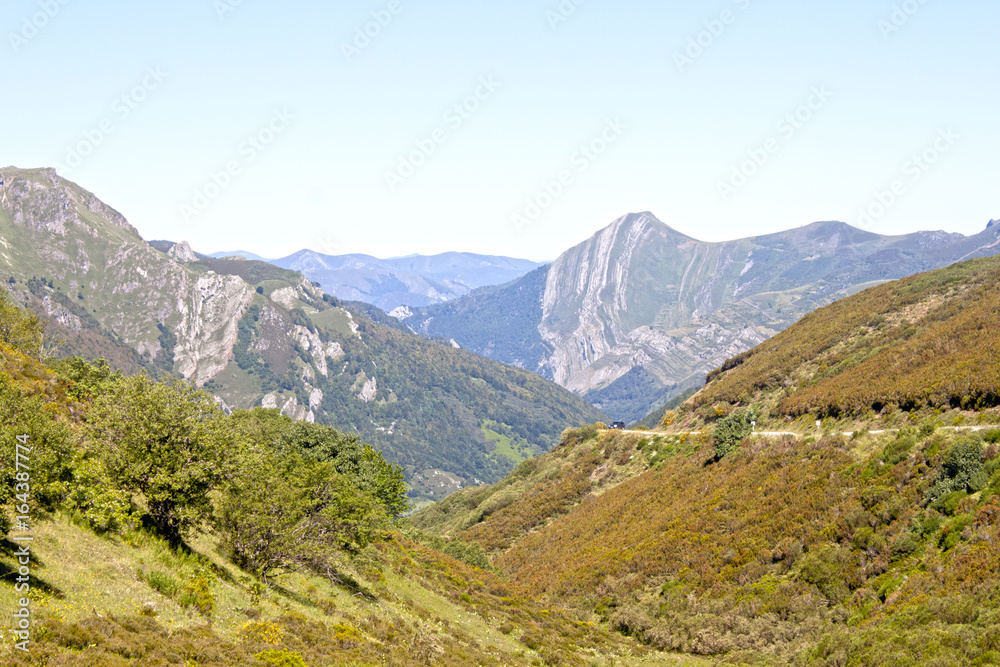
<point>878,550</point>
<point>928,340</point>
<point>879,546</point>
<point>103,292</point>
<point>167,532</point>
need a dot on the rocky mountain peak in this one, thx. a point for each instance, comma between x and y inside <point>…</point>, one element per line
<point>42,201</point>
<point>182,252</point>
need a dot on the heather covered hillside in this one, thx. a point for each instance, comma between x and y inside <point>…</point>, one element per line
<point>928,341</point>
<point>859,524</point>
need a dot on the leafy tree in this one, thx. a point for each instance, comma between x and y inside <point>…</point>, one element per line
<point>20,329</point>
<point>264,429</point>
<point>85,378</point>
<point>730,430</point>
<point>157,440</point>
<point>282,514</point>
<point>46,451</point>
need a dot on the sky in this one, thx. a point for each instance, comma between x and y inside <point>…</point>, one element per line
<point>392,127</point>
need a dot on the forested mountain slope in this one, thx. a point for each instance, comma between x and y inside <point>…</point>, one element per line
<point>255,334</point>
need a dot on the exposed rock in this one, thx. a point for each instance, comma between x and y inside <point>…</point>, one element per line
<point>210,310</point>
<point>368,391</point>
<point>320,351</point>
<point>286,296</point>
<point>401,312</point>
<point>315,398</point>
<point>61,315</point>
<point>182,252</point>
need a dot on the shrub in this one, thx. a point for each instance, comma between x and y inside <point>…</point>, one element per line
<point>262,632</point>
<point>904,545</point>
<point>962,471</point>
<point>161,582</point>
<point>730,430</point>
<point>281,658</point>
<point>948,503</point>
<point>964,460</point>
<point>198,594</point>
<point>897,450</point>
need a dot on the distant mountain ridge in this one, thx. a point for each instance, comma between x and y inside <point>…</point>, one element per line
<point>640,313</point>
<point>400,282</point>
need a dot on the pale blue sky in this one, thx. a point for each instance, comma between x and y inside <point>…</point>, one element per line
<point>678,132</point>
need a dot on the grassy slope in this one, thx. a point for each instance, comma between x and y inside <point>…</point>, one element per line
<point>421,608</point>
<point>129,599</point>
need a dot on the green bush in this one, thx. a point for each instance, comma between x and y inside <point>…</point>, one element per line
<point>198,594</point>
<point>964,460</point>
<point>281,658</point>
<point>904,545</point>
<point>948,503</point>
<point>730,430</point>
<point>962,471</point>
<point>897,450</point>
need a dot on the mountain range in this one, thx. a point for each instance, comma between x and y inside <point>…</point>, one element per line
<point>640,312</point>
<point>400,282</point>
<point>255,334</point>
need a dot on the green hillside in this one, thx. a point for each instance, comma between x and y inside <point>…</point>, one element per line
<point>928,341</point>
<point>161,531</point>
<point>866,532</point>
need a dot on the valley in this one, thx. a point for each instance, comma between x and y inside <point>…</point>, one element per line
<point>826,496</point>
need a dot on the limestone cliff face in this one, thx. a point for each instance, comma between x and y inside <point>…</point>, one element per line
<point>69,236</point>
<point>586,296</point>
<point>210,308</point>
